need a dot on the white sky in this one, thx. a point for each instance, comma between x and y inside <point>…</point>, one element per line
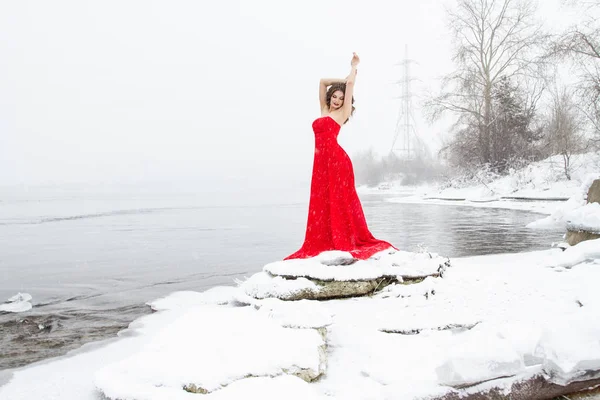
<point>194,91</point>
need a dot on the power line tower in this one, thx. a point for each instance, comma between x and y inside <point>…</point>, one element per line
<point>407,144</point>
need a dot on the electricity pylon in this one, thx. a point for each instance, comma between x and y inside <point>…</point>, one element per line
<point>406,145</point>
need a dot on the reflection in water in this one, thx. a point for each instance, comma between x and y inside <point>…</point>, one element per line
<point>456,231</point>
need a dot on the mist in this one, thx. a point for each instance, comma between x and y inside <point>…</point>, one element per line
<point>195,93</point>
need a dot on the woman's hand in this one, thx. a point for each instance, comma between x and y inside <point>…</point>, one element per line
<point>355,60</point>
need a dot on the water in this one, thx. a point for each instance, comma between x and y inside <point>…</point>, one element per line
<point>91,259</point>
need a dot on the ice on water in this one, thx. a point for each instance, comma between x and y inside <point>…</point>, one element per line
<point>17,303</point>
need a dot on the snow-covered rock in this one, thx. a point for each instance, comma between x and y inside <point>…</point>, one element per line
<point>477,356</point>
<point>386,264</point>
<point>570,349</point>
<point>207,348</point>
<point>586,218</point>
<point>296,314</point>
<point>326,277</point>
<point>264,285</point>
<point>267,388</point>
<point>570,214</point>
<point>220,295</point>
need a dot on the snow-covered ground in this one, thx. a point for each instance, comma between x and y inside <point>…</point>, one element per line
<point>539,180</point>
<point>489,321</point>
<point>541,187</point>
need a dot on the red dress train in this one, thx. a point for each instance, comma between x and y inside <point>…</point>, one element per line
<point>335,217</point>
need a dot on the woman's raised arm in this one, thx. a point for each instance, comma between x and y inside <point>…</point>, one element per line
<point>323,84</point>
<point>347,107</point>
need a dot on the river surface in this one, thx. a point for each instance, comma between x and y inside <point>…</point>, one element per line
<point>92,259</point>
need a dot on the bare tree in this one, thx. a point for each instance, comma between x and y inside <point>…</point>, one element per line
<point>581,45</point>
<point>492,39</point>
<point>565,129</point>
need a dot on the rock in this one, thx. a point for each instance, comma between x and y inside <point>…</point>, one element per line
<point>416,331</point>
<point>192,388</point>
<point>336,275</point>
<point>327,290</point>
<point>575,236</point>
<point>593,394</point>
<point>593,195</point>
<point>537,387</point>
<point>331,266</point>
<point>263,285</point>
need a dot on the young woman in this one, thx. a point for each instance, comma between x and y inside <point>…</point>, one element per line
<point>335,217</point>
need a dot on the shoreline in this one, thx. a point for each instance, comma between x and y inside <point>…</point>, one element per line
<point>531,206</point>
<point>538,205</point>
<point>164,339</point>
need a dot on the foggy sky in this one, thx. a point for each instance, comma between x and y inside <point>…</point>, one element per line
<point>130,91</point>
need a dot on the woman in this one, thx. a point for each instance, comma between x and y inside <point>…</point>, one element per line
<point>335,217</point>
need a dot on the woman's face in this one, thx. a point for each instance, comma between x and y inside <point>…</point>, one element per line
<point>337,99</point>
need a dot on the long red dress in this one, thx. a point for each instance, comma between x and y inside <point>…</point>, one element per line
<point>335,217</point>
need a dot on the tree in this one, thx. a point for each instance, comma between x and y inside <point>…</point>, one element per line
<point>512,134</point>
<point>492,39</point>
<point>580,44</point>
<point>564,131</point>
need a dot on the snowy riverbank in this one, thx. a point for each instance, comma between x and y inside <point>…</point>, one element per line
<point>487,324</point>
<point>541,187</point>
<point>541,180</point>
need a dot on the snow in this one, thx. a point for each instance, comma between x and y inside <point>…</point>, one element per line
<point>479,355</point>
<point>489,321</point>
<point>296,314</point>
<point>574,214</point>
<point>263,285</point>
<point>17,303</point>
<point>280,387</point>
<point>210,347</point>
<point>586,218</point>
<point>383,264</point>
<point>572,349</point>
<point>20,297</point>
<point>220,295</point>
<point>540,187</point>
<point>583,252</point>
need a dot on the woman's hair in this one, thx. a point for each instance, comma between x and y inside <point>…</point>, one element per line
<point>334,88</point>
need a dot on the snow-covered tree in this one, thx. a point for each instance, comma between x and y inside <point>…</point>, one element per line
<point>512,135</point>
<point>564,129</point>
<point>580,44</point>
<point>492,39</point>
